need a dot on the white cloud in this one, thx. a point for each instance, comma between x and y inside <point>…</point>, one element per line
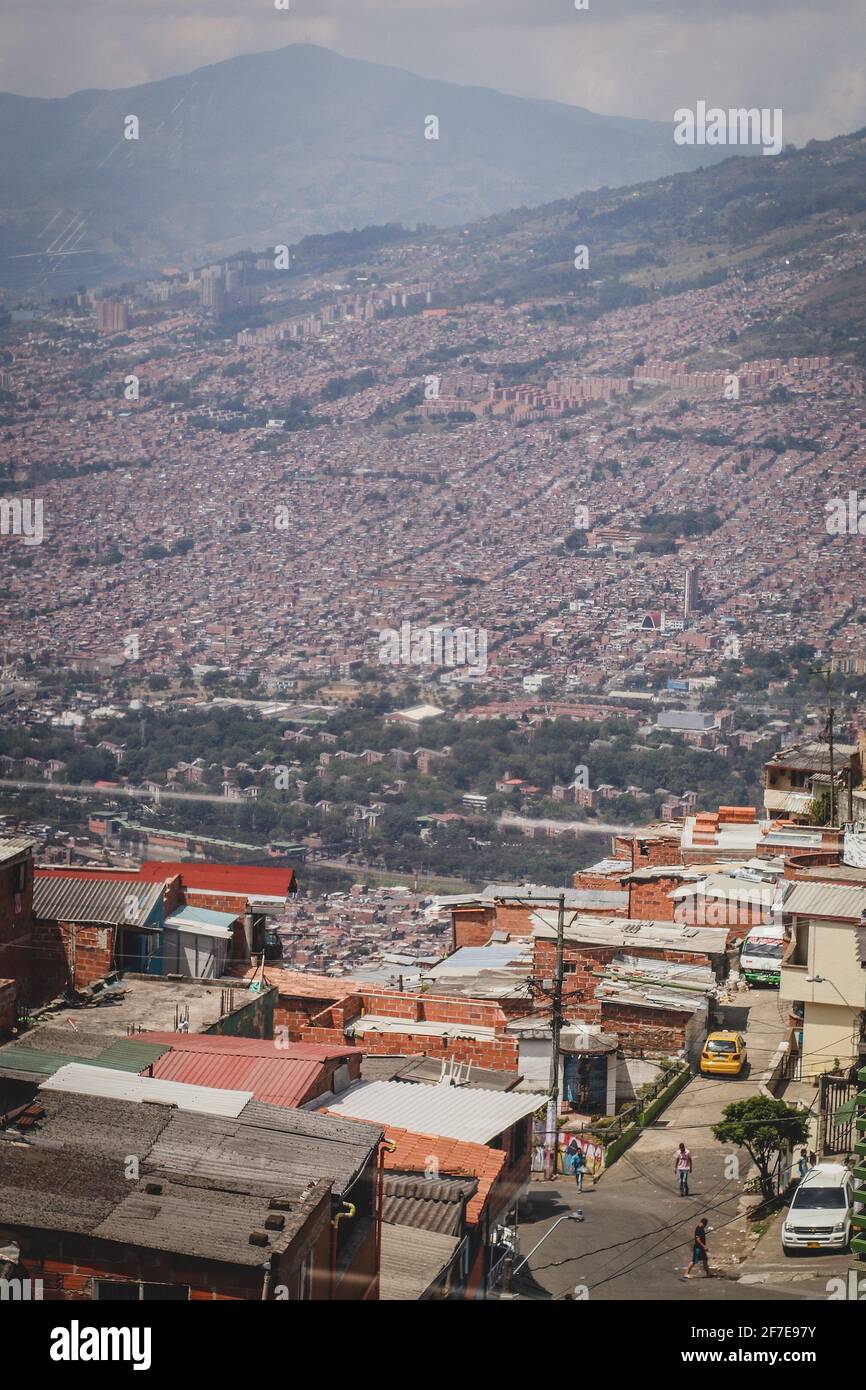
<point>627,57</point>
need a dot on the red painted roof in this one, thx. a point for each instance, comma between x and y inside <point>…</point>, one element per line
<point>276,1080</point>
<point>275,1074</point>
<point>253,880</point>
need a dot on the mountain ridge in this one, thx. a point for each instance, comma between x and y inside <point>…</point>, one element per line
<point>282,144</point>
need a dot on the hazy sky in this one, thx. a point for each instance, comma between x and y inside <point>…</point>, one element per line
<point>620,57</point>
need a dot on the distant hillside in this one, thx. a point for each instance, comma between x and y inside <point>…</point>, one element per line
<point>687,231</point>
<point>272,146</point>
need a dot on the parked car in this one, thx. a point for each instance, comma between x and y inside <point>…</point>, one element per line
<point>724,1054</point>
<point>819,1217</point>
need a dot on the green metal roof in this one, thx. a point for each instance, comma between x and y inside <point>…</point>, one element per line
<point>129,1054</point>
<point>124,1054</point>
<point>23,1058</point>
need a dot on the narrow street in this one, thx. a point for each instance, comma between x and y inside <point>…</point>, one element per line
<point>636,1239</point>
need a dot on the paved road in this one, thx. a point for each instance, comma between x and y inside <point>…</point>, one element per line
<point>636,1239</point>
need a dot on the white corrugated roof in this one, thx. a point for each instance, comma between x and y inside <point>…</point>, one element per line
<point>121,1085</point>
<point>474,1115</point>
<point>381,1023</point>
<point>624,931</point>
<point>200,922</point>
<point>826,900</point>
<point>17,844</point>
<point>730,889</point>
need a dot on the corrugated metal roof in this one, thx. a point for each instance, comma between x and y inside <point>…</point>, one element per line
<point>467,959</point>
<point>120,1085</point>
<point>83,900</point>
<point>129,1054</point>
<point>826,900</point>
<point>125,1054</point>
<point>29,1059</point>
<point>475,1116</point>
<point>267,882</point>
<point>267,1144</point>
<point>412,1261</point>
<point>15,845</point>
<point>426,1204</point>
<point>730,889</point>
<point>624,931</point>
<point>187,917</point>
<point>195,1221</point>
<point>189,926</point>
<point>277,1079</point>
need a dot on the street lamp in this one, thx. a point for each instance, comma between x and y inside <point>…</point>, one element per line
<point>576,1215</point>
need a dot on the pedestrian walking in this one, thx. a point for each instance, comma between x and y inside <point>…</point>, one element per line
<point>813,1158</point>
<point>578,1162</point>
<point>682,1168</point>
<point>802,1164</point>
<point>699,1250</point>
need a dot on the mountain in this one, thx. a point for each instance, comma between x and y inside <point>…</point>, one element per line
<point>269,147</point>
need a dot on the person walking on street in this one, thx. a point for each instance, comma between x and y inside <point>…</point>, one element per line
<point>578,1162</point>
<point>699,1250</point>
<point>802,1164</point>
<point>682,1168</point>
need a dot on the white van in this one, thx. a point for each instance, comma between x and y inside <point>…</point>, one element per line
<point>761,954</point>
<point>819,1217</point>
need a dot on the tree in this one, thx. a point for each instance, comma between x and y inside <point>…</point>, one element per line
<point>764,1128</point>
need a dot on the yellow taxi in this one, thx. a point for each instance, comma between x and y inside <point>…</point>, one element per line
<point>724,1054</point>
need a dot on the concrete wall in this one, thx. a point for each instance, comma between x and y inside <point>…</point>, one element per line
<point>631,1073</point>
<point>829,1031</point>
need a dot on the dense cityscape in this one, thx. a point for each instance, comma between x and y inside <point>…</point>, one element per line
<point>432,720</point>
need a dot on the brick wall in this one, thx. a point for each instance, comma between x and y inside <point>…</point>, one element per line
<point>651,851</point>
<point>471,926</point>
<point>17,960</point>
<point>499,1053</point>
<point>661,1031</point>
<point>328,1026</point>
<point>91,948</point>
<point>68,1263</point>
<point>7,1007</point>
<point>602,883</point>
<point>649,901</point>
<point>47,966</point>
<point>798,865</point>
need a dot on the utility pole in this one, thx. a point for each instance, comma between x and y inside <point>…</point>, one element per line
<point>827,678</point>
<point>552,1126</point>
